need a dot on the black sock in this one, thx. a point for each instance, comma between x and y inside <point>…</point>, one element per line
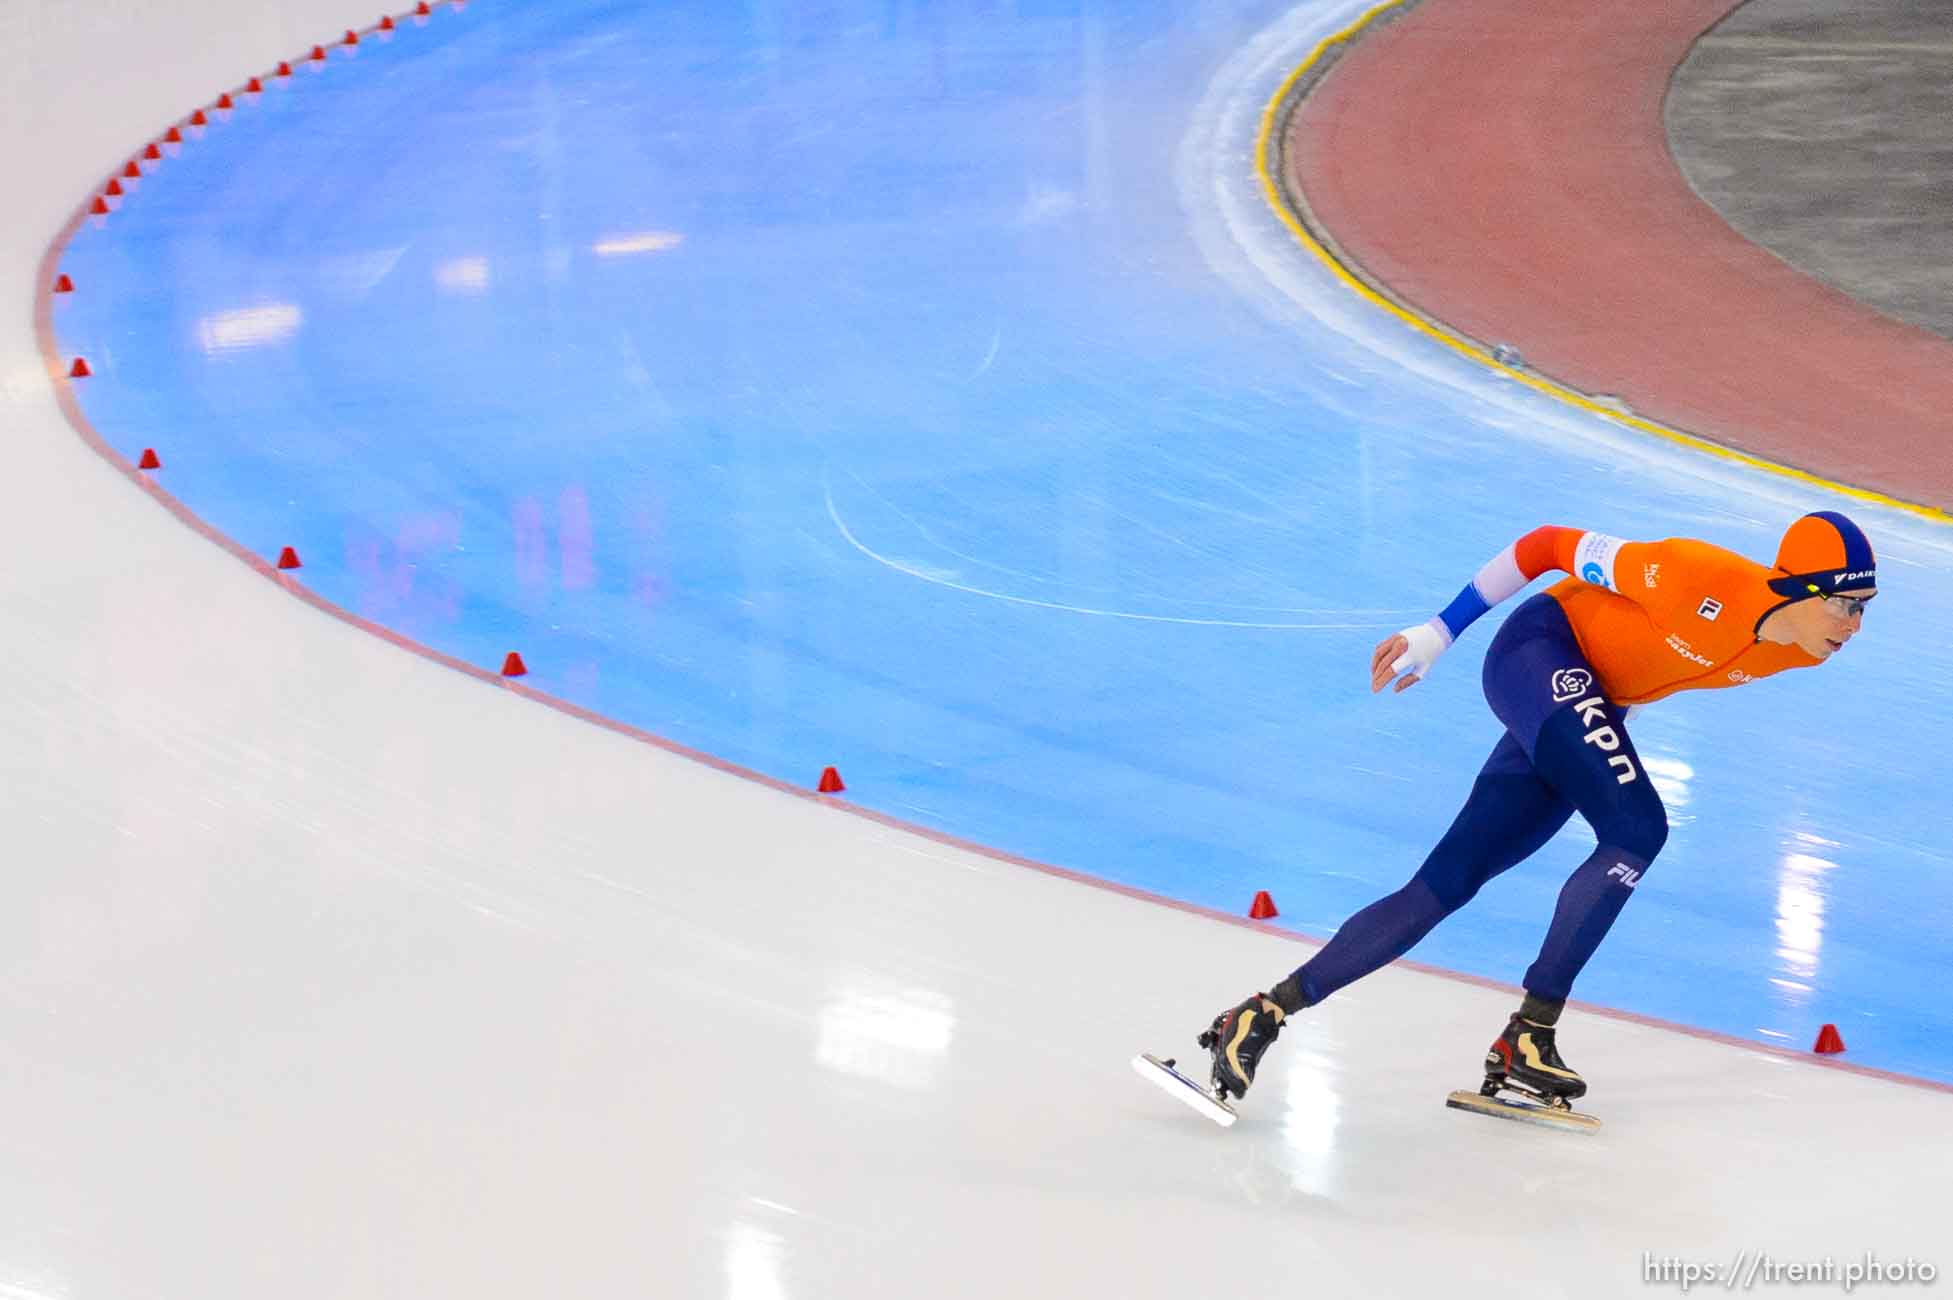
<point>1288,996</point>
<point>1540,1011</point>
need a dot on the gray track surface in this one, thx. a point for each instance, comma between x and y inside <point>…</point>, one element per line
<point>1823,130</point>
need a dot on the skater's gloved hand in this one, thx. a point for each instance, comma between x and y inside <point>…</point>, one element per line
<point>1411,653</point>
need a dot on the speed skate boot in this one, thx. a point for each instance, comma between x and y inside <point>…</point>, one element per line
<point>1524,1059</point>
<point>1237,1038</point>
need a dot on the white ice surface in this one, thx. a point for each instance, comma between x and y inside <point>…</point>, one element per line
<point>327,972</point>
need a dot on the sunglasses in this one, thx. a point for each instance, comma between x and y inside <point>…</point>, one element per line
<point>1845,606</point>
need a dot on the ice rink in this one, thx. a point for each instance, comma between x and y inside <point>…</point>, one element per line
<point>926,390</point>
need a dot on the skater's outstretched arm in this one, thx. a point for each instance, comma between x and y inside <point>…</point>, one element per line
<point>1406,657</point>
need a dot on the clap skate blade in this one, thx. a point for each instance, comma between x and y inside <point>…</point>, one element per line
<point>1208,1101</point>
<point>1528,1108</point>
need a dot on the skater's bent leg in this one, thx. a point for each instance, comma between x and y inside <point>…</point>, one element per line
<point>1620,803</point>
<point>1510,814</point>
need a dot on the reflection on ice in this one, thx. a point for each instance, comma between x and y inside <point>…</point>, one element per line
<point>1312,1111</point>
<point>248,327</point>
<point>463,275</point>
<point>753,1264</point>
<point>892,1037</point>
<point>1800,912</point>
<point>649,241</point>
<point>1671,777</point>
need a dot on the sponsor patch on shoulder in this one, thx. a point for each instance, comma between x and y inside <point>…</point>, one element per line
<point>1593,558</point>
<point>1709,608</point>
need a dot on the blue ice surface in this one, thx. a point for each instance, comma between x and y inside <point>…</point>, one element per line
<point>859,384</point>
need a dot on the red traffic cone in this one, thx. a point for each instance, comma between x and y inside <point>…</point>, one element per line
<point>132,171</point>
<point>513,666</point>
<point>1263,907</point>
<point>1828,1041</point>
<point>174,136</point>
<point>284,69</point>
<point>64,285</point>
<point>386,23</point>
<point>149,459</point>
<point>200,118</point>
<point>352,37</point>
<point>254,87</point>
<point>153,153</point>
<point>99,208</point>
<point>79,370</point>
<point>423,8</point>
<point>830,781</point>
<point>318,54</point>
<point>114,189</point>
<point>225,101</point>
<point>288,559</point>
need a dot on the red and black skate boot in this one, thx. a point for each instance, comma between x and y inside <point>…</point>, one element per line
<point>1237,1038</point>
<point>1524,1059</point>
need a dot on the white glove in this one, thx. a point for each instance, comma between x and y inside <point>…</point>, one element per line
<point>1427,640</point>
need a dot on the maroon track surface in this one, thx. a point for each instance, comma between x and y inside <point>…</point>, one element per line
<point>1502,166</point>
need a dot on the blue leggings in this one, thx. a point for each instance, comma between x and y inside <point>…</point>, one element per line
<point>1565,749</point>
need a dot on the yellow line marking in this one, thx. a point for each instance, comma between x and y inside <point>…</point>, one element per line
<point>1272,191</point>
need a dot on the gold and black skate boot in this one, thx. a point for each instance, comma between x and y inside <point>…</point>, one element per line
<point>1524,1059</point>
<point>1237,1038</point>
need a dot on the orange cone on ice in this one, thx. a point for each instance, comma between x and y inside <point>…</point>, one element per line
<point>1263,907</point>
<point>513,666</point>
<point>1828,1041</point>
<point>831,781</point>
